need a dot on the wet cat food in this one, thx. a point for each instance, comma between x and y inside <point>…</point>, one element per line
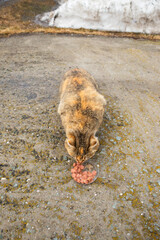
<point>82,176</point>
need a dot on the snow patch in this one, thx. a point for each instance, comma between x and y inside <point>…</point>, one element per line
<point>107,15</point>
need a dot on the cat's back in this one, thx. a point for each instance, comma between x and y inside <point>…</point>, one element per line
<point>76,80</point>
<point>80,102</point>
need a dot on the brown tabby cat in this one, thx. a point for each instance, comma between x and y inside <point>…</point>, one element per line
<point>81,110</point>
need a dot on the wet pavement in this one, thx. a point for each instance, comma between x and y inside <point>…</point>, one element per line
<point>39,198</point>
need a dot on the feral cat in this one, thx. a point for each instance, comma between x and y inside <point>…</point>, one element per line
<point>81,110</point>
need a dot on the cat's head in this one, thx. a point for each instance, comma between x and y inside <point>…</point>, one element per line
<point>81,150</point>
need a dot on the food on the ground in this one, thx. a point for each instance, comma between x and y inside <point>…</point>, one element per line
<point>80,176</point>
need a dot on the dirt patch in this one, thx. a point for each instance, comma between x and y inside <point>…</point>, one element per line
<point>39,198</point>
<point>18,16</point>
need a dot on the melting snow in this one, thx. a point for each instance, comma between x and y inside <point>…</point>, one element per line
<point>110,15</point>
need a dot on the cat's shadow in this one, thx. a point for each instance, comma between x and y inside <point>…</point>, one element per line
<point>110,131</point>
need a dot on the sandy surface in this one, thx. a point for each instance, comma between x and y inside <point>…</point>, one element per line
<point>39,198</point>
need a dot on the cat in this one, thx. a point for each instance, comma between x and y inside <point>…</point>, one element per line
<point>81,110</point>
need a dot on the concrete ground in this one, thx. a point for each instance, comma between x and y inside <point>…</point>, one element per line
<point>39,198</point>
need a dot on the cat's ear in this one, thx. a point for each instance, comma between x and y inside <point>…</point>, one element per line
<point>71,140</point>
<point>94,142</point>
